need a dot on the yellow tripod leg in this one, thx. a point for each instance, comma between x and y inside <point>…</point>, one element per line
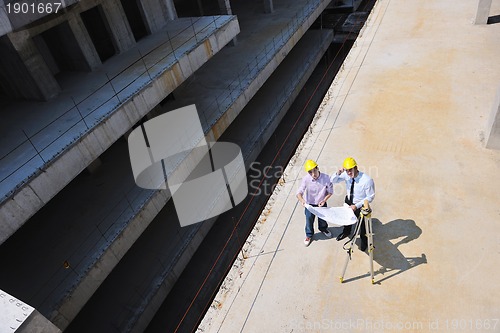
<point>369,235</point>
<point>364,217</point>
<point>349,250</point>
<point>367,216</point>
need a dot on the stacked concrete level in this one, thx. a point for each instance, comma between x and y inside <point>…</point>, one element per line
<point>73,83</point>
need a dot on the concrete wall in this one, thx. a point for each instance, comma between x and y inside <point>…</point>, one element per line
<point>38,190</point>
<point>11,65</point>
<point>320,41</point>
<point>123,38</point>
<point>84,41</point>
<point>36,323</point>
<point>43,85</point>
<point>42,188</point>
<point>5,25</point>
<point>29,75</point>
<point>76,299</point>
<point>10,20</point>
<point>106,263</point>
<point>60,172</point>
<point>152,303</point>
<point>157,13</point>
<point>225,119</point>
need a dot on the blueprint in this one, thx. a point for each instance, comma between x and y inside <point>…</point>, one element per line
<point>336,216</point>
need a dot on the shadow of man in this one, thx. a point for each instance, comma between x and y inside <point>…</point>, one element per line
<point>387,254</point>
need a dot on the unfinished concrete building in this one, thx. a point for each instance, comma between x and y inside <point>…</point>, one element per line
<point>75,78</point>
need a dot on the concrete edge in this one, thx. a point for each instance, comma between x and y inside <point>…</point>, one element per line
<point>76,298</point>
<point>37,323</point>
<point>232,112</point>
<point>47,182</point>
<point>161,291</point>
<point>278,116</point>
<point>153,303</point>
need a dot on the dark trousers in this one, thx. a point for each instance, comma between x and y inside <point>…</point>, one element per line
<point>322,224</point>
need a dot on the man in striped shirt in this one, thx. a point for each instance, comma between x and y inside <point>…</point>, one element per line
<point>315,189</point>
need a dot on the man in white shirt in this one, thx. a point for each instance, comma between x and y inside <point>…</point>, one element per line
<point>360,187</point>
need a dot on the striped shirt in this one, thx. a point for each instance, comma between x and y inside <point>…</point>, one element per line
<point>315,190</point>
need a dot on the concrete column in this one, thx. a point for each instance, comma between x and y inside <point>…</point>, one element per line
<point>225,9</point>
<point>5,25</point>
<point>84,41</point>
<point>118,24</point>
<point>171,12</point>
<point>32,77</point>
<point>268,6</point>
<point>483,12</point>
<point>154,14</point>
<point>493,138</point>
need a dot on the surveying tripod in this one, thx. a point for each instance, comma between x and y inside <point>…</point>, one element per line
<point>364,217</point>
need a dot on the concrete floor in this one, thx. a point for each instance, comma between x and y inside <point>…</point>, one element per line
<point>81,222</point>
<point>411,105</point>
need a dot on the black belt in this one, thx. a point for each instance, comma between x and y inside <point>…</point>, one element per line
<point>317,205</point>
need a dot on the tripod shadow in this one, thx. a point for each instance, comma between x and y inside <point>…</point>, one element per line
<point>387,254</point>
<point>493,19</point>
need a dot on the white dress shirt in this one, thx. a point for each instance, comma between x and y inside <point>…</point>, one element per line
<point>364,187</point>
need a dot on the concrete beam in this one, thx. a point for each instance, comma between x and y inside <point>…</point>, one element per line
<point>171,12</point>
<point>46,183</point>
<point>12,21</point>
<point>315,39</point>
<point>320,41</point>
<point>5,25</point>
<point>483,12</point>
<point>154,15</point>
<point>268,6</point>
<point>141,319</point>
<point>83,291</point>
<point>230,114</point>
<point>84,41</point>
<point>34,70</point>
<point>493,137</point>
<point>123,38</point>
<point>225,7</point>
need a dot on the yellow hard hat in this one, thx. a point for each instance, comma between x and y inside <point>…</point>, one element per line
<point>349,163</point>
<point>309,165</point>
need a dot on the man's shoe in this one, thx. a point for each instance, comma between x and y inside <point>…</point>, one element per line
<point>327,233</point>
<point>363,246</point>
<point>342,236</point>
<point>307,241</point>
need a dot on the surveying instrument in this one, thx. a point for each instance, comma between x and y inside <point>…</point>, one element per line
<point>364,217</point>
